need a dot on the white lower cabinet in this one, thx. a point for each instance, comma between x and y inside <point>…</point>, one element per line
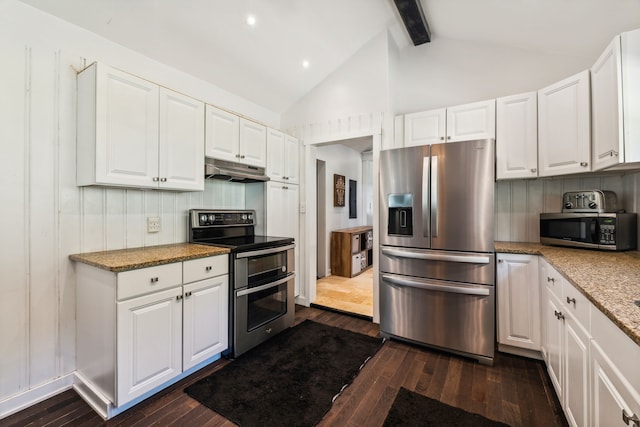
<point>205,313</point>
<point>518,299</point>
<point>591,362</point>
<point>149,343</point>
<point>141,330</point>
<point>566,345</point>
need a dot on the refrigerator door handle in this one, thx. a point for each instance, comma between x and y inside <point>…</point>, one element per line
<point>434,286</point>
<point>433,256</point>
<point>434,196</point>
<point>426,224</point>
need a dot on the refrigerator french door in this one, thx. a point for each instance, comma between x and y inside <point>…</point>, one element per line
<point>437,266</point>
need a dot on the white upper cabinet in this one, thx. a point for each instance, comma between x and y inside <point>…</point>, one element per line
<point>181,142</point>
<point>234,139</point>
<point>472,121</point>
<point>425,128</point>
<point>517,136</point>
<point>117,139</point>
<point>564,137</point>
<point>460,123</point>
<point>222,134</point>
<point>253,143</point>
<point>282,157</point>
<point>614,103</point>
<point>133,133</point>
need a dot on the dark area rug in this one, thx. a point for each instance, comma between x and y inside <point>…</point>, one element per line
<point>290,380</point>
<point>413,409</point>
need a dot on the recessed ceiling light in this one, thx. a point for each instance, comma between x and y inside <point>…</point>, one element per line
<point>305,64</point>
<point>251,20</point>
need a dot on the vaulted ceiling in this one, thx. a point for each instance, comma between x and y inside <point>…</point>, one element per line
<point>211,40</point>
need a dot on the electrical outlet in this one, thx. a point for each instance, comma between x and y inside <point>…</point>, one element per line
<point>153,224</point>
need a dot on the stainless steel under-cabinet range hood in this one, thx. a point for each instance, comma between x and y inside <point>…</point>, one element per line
<point>234,172</point>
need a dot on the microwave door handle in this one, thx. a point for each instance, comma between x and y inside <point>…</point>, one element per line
<point>595,238</point>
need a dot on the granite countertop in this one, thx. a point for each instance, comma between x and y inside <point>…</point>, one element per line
<point>132,259</point>
<point>610,280</point>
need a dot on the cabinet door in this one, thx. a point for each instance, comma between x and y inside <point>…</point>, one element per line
<point>606,108</point>
<point>149,343</point>
<point>518,301</point>
<point>576,360</point>
<point>612,397</point>
<point>206,331</point>
<point>253,143</point>
<point>564,142</point>
<point>126,122</point>
<point>181,142</point>
<point>282,216</point>
<point>222,134</point>
<point>292,159</point>
<point>553,342</point>
<point>424,128</point>
<point>517,136</point>
<point>276,153</point>
<point>472,121</point>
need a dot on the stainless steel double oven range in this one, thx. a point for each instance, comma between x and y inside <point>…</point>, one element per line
<point>262,272</point>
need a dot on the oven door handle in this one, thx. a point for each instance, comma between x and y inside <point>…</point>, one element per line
<point>435,286</point>
<point>265,286</point>
<point>265,251</point>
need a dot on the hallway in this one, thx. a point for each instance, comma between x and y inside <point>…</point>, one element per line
<point>353,295</point>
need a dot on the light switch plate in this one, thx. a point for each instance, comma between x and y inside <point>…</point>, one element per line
<point>153,224</point>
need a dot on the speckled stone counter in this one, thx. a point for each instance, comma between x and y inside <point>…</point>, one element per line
<point>610,280</point>
<point>131,259</point>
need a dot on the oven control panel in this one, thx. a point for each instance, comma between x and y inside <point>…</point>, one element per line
<point>209,218</point>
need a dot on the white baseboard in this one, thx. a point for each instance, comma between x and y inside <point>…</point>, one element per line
<point>34,395</point>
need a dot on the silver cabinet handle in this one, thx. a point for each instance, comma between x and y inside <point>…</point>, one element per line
<point>571,300</point>
<point>534,170</point>
<point>551,279</point>
<point>558,315</point>
<point>442,138</point>
<point>633,418</point>
<point>154,280</point>
<point>436,286</point>
<point>584,164</point>
<point>163,179</point>
<point>407,253</point>
<point>207,268</point>
<point>156,178</point>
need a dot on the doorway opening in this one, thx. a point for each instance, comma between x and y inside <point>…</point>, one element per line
<point>345,275</point>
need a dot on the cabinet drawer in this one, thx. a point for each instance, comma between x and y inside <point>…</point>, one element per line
<point>554,281</point>
<point>203,268</point>
<point>145,280</point>
<point>577,304</point>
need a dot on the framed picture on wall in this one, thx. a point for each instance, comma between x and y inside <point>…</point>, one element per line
<point>338,190</point>
<point>353,210</point>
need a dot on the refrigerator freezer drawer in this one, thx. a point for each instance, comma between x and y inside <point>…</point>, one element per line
<point>465,267</point>
<point>453,316</point>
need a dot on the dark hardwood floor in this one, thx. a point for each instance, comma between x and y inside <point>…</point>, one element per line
<point>515,390</point>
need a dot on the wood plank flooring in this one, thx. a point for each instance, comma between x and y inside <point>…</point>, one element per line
<point>515,390</point>
<point>352,295</point>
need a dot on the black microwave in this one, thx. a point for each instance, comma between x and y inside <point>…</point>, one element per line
<point>608,231</point>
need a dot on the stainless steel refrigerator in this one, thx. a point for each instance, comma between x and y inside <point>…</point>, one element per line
<point>437,262</point>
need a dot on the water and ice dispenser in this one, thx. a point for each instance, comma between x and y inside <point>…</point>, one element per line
<point>400,214</point>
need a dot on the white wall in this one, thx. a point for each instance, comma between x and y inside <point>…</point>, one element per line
<point>450,72</point>
<point>344,161</point>
<point>44,217</point>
